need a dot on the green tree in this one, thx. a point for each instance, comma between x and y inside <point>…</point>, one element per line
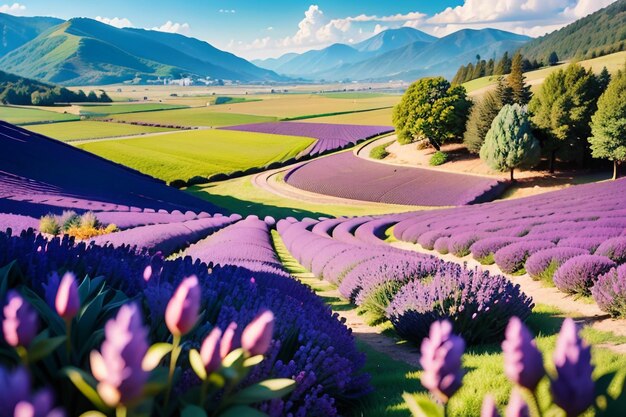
<point>553,58</point>
<point>562,110</point>
<point>504,65</point>
<point>510,144</point>
<point>479,122</point>
<point>604,79</point>
<point>608,124</point>
<point>517,81</point>
<point>431,109</point>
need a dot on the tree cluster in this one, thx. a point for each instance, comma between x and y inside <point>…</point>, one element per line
<point>482,68</point>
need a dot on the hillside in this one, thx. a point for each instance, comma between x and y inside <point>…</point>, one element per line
<point>441,57</point>
<point>16,30</point>
<point>600,33</point>
<point>84,51</point>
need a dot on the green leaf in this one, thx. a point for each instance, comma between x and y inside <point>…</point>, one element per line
<point>422,406</point>
<point>44,347</point>
<point>86,384</point>
<point>253,361</point>
<point>193,411</point>
<point>196,364</point>
<point>93,413</point>
<point>242,411</point>
<point>233,357</point>
<point>155,355</point>
<point>56,323</point>
<point>264,390</point>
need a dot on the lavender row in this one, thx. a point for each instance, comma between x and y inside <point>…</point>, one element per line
<point>329,136</point>
<point>404,287</point>
<point>348,176</point>
<point>166,238</point>
<point>322,358</point>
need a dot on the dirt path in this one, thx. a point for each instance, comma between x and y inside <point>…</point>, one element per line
<point>590,313</point>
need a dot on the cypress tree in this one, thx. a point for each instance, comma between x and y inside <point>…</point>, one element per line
<point>516,80</point>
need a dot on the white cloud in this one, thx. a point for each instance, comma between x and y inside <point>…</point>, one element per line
<point>172,27</point>
<point>378,28</point>
<point>227,10</point>
<point>118,22</point>
<point>270,28</point>
<point>16,9</point>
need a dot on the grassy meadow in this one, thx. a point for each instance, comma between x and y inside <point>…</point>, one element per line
<point>183,155</point>
<point>108,109</point>
<point>91,129</point>
<point>23,116</point>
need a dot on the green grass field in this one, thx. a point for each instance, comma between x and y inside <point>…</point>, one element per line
<point>89,129</point>
<point>353,95</point>
<point>201,116</point>
<point>380,117</point>
<point>183,155</point>
<point>126,108</point>
<point>22,116</point>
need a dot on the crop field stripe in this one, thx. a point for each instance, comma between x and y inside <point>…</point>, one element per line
<point>71,131</point>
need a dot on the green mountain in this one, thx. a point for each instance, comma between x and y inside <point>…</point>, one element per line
<point>600,33</point>
<point>391,39</point>
<point>86,52</point>
<point>16,30</point>
<point>441,57</point>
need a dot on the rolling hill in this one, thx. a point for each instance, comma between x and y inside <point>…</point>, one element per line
<point>84,51</point>
<point>16,30</point>
<point>600,33</point>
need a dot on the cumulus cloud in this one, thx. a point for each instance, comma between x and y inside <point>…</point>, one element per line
<point>173,27</point>
<point>118,22</point>
<point>16,9</point>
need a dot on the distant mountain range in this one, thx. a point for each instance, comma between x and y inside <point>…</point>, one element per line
<point>86,52</point>
<point>404,53</point>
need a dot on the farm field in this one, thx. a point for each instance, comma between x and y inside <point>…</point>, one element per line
<point>108,109</point>
<point>90,129</point>
<point>183,155</point>
<point>371,117</point>
<point>23,116</point>
<point>199,116</point>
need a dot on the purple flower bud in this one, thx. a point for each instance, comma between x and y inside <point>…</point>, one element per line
<point>117,367</point>
<point>17,400</point>
<point>489,407</point>
<point>67,301</point>
<point>517,406</point>
<point>523,363</point>
<point>257,335</point>
<point>181,314</point>
<point>210,351</point>
<point>441,360</point>
<point>147,273</point>
<point>573,388</point>
<point>20,321</point>
<point>230,340</point>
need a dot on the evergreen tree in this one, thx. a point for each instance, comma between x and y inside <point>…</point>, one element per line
<point>509,143</point>
<point>553,58</point>
<point>481,116</point>
<point>562,110</point>
<point>459,77</point>
<point>504,65</point>
<point>504,92</point>
<point>490,66</point>
<point>92,97</point>
<point>516,80</point>
<point>604,79</point>
<point>608,124</point>
<point>431,109</point>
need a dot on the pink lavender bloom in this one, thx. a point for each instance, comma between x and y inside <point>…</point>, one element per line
<point>182,312</point>
<point>230,340</point>
<point>257,335</point>
<point>20,321</point>
<point>117,367</point>
<point>441,360</point>
<point>17,400</point>
<point>67,301</point>
<point>147,273</point>
<point>573,388</point>
<point>517,406</point>
<point>523,363</point>
<point>210,351</point>
<point>489,407</point>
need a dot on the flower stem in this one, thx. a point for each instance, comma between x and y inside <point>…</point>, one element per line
<point>536,401</point>
<point>120,411</point>
<point>173,359</point>
<point>68,340</point>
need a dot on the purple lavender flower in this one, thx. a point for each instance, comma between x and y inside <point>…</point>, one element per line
<point>517,406</point>
<point>117,367</point>
<point>523,363</point>
<point>489,407</point>
<point>609,292</point>
<point>579,274</point>
<point>231,340</point>
<point>257,335</point>
<point>573,387</point>
<point>441,360</point>
<point>67,300</point>
<point>17,400</point>
<point>182,312</point>
<point>20,321</point>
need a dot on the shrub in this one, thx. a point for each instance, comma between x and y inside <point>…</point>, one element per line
<point>478,305</point>
<point>441,245</point>
<point>178,184</point>
<point>89,220</point>
<point>460,244</point>
<point>542,265</point>
<point>609,292</point>
<point>438,158</point>
<point>69,219</point>
<point>484,249</point>
<point>579,274</point>
<point>197,180</point>
<point>380,151</point>
<point>614,248</point>
<point>49,225</point>
<point>511,259</point>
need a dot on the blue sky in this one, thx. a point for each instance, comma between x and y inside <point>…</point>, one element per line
<point>260,29</point>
